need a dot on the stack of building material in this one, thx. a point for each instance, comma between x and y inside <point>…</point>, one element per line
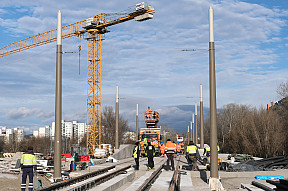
<point>282,184</point>
<point>100,153</point>
<point>108,148</point>
<point>8,165</point>
<point>267,164</point>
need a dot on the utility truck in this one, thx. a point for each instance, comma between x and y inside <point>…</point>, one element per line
<point>151,131</point>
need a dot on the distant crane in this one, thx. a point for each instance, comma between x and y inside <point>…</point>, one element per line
<point>92,28</point>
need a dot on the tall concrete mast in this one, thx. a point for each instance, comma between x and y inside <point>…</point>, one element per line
<point>137,130</point>
<point>195,126</point>
<point>193,129</point>
<point>58,101</point>
<point>201,119</point>
<point>188,136</point>
<point>212,81</point>
<point>117,119</point>
<point>191,126</point>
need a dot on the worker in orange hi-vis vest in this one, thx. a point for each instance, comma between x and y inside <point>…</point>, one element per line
<point>170,150</point>
<point>162,149</point>
<point>148,112</point>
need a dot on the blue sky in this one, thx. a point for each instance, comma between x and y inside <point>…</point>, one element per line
<point>143,58</point>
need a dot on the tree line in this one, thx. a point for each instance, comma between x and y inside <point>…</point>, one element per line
<point>255,131</point>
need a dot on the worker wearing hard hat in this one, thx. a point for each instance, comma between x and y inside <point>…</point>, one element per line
<point>148,112</point>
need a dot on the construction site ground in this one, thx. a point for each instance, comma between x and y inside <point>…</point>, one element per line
<point>193,180</point>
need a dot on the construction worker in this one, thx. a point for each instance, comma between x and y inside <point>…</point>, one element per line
<point>150,153</point>
<point>178,148</point>
<point>191,153</point>
<point>207,150</point>
<point>170,150</point>
<point>136,155</point>
<point>148,112</point>
<point>154,115</point>
<point>162,149</point>
<point>145,142</point>
<point>28,166</point>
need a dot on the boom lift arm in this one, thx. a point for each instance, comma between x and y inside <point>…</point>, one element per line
<point>93,28</point>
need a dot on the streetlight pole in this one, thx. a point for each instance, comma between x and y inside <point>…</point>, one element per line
<point>196,127</point>
<point>137,122</point>
<point>117,119</point>
<point>212,81</point>
<point>188,136</point>
<point>201,119</point>
<point>58,102</point>
<point>192,127</point>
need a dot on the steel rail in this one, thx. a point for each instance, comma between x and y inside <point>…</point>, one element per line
<point>175,180</point>
<point>92,182</point>
<point>81,178</point>
<point>148,182</point>
<point>76,179</point>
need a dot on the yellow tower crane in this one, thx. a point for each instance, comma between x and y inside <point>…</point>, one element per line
<point>92,28</point>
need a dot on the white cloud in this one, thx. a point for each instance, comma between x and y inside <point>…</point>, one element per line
<point>144,58</point>
<point>24,113</point>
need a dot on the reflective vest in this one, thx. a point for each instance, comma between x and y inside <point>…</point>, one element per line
<point>145,141</point>
<point>170,147</point>
<point>208,149</point>
<point>191,149</point>
<point>28,160</point>
<point>178,147</point>
<point>162,148</point>
<point>135,153</point>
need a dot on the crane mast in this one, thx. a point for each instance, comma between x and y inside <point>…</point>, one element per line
<point>92,28</point>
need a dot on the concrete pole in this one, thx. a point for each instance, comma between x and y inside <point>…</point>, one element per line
<point>188,136</point>
<point>137,130</point>
<point>212,81</point>
<point>58,102</point>
<point>117,119</point>
<point>192,133</point>
<point>191,128</point>
<point>196,127</point>
<point>201,119</point>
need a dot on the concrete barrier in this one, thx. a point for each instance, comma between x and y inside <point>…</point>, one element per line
<point>125,151</point>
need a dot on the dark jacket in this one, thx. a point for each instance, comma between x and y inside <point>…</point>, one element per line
<point>150,150</point>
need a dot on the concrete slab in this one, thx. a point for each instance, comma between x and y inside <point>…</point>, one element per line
<point>136,184</point>
<point>163,181</point>
<point>116,182</point>
<point>186,182</point>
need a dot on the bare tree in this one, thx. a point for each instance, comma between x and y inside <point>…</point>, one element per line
<point>168,133</point>
<point>108,126</point>
<point>243,129</point>
<point>282,90</point>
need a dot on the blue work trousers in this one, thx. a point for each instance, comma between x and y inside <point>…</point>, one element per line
<point>27,172</point>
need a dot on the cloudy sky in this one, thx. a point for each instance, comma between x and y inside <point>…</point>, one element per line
<point>144,58</point>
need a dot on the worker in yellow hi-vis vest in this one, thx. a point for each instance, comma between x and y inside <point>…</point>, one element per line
<point>28,166</point>
<point>191,155</point>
